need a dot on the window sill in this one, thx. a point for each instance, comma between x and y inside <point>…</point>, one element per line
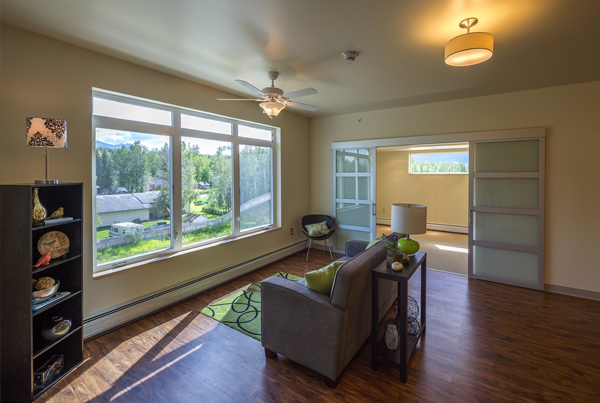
<point>172,254</point>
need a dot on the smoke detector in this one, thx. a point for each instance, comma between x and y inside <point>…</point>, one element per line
<point>350,55</point>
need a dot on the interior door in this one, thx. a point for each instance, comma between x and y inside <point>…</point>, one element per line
<point>354,195</point>
<point>506,220</point>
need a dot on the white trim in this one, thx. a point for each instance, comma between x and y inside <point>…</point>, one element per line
<point>103,322</point>
<point>457,229</point>
<point>516,134</point>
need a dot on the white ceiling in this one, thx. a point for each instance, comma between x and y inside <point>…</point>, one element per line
<point>538,43</point>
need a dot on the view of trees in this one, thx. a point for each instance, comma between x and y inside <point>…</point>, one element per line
<point>136,168</point>
<point>438,166</point>
<point>131,167</point>
<point>255,172</point>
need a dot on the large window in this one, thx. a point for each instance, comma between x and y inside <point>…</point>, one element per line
<point>154,197</point>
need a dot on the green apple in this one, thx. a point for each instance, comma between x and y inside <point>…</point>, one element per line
<point>409,246</point>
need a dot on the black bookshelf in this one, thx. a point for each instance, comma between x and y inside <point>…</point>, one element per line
<point>23,349</point>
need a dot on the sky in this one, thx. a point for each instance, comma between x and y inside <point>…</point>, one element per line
<point>156,141</point>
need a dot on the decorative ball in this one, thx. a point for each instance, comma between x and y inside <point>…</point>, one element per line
<point>407,245</point>
<point>44,282</point>
<point>412,310</point>
<point>397,266</point>
<point>413,327</point>
<point>56,328</point>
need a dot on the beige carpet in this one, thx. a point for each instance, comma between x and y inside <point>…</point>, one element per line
<point>445,251</point>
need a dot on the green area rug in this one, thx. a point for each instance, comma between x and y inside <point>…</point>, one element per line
<point>241,311</point>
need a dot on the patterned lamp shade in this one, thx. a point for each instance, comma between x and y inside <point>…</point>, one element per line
<point>42,132</point>
<point>47,133</point>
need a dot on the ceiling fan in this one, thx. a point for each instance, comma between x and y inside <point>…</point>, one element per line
<point>274,100</point>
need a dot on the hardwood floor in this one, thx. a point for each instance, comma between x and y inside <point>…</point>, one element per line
<point>485,342</point>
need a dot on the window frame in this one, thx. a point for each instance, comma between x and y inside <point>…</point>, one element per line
<point>175,132</point>
<point>429,152</point>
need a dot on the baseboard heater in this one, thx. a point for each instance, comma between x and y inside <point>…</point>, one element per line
<point>102,323</point>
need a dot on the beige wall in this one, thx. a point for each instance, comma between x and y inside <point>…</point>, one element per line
<point>46,78</point>
<point>570,115</point>
<point>446,196</point>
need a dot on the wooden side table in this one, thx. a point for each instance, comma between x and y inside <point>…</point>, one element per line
<point>379,352</point>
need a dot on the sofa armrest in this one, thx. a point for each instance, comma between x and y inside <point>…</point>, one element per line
<point>303,325</point>
<point>354,247</point>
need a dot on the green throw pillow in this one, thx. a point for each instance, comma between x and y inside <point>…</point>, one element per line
<point>317,229</point>
<point>375,240</point>
<point>322,280</point>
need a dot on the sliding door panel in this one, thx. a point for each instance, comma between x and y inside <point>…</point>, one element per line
<point>506,202</point>
<point>507,193</point>
<point>506,228</point>
<point>511,267</point>
<point>354,178</point>
<point>508,156</point>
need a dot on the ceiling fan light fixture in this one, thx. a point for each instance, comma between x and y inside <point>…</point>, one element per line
<point>272,108</point>
<point>470,48</point>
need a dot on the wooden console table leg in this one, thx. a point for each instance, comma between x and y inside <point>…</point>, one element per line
<point>374,321</point>
<point>402,332</point>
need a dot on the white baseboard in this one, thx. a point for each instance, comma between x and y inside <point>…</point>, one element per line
<point>104,322</point>
<point>458,229</point>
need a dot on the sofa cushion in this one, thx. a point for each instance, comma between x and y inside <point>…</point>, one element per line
<point>322,280</point>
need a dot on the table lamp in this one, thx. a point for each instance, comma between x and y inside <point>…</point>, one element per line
<point>409,219</point>
<point>42,132</point>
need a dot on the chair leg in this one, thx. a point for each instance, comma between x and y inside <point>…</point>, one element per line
<point>309,243</point>
<point>270,353</point>
<point>329,247</point>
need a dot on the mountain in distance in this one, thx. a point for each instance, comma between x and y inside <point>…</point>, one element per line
<point>101,144</point>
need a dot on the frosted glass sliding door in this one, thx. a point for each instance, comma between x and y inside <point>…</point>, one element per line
<point>354,195</point>
<point>506,220</point>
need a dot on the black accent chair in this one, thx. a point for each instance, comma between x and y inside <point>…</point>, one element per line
<point>314,219</point>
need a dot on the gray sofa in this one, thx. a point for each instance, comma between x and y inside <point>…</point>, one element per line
<point>324,332</point>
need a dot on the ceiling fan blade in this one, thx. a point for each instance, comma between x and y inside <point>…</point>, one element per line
<point>302,106</point>
<point>251,87</point>
<point>238,99</point>
<point>301,93</point>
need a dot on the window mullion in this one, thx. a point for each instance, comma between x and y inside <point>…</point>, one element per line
<point>235,182</point>
<point>176,186</point>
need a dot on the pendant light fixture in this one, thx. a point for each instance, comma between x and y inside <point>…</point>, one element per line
<point>470,48</point>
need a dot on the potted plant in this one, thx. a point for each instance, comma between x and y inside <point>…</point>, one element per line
<point>392,250</point>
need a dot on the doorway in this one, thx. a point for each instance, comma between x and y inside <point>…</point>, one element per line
<point>497,229</point>
<point>435,175</point>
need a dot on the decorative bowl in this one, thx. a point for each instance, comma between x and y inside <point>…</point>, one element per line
<point>45,294</point>
<point>56,328</point>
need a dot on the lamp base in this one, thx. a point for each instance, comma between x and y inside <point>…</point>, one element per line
<point>46,181</point>
<point>408,246</point>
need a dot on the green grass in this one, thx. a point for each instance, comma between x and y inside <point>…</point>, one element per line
<point>152,245</point>
<point>205,234</point>
<point>123,252</point>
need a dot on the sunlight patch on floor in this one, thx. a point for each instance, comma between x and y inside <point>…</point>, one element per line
<point>452,249</point>
<point>153,373</point>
